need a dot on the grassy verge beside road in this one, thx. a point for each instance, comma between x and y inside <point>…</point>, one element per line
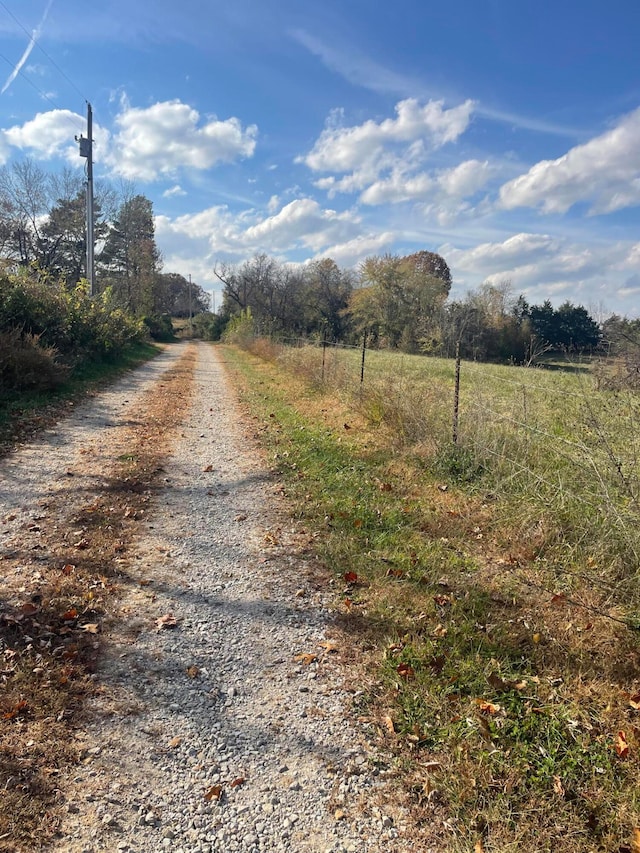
<point>488,590</point>
<point>24,413</point>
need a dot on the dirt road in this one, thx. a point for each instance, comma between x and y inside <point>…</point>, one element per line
<point>221,717</point>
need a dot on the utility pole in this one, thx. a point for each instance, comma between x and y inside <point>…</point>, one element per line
<point>86,150</point>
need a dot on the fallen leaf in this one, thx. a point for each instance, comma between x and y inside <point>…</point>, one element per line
<point>635,841</point>
<point>558,787</point>
<point>351,577</point>
<point>240,518</point>
<point>68,569</point>
<point>238,782</point>
<point>497,683</point>
<point>19,708</point>
<point>29,609</point>
<point>166,621</point>
<point>214,793</point>
<point>90,628</point>
<point>442,600</point>
<point>70,615</point>
<point>633,700</point>
<point>348,603</point>
<point>487,707</point>
<point>389,725</point>
<point>208,469</point>
<point>395,573</point>
<point>328,646</point>
<point>439,631</point>
<point>621,746</point>
<point>558,598</point>
<point>193,671</point>
<point>405,670</point>
<point>175,742</point>
<point>306,659</point>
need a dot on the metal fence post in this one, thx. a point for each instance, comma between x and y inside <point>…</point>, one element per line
<point>364,350</point>
<point>456,395</point>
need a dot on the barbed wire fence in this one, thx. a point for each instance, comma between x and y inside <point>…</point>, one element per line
<point>551,437</point>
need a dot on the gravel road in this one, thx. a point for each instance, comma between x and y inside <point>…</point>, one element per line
<point>216,734</point>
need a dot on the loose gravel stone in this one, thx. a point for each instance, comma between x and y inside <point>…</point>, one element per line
<point>210,737</point>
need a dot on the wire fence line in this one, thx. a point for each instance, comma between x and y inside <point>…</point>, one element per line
<point>560,449</point>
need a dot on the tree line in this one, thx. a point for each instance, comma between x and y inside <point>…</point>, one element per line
<point>42,229</point>
<point>403,302</point>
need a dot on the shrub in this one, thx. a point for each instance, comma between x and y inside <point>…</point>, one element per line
<point>25,365</point>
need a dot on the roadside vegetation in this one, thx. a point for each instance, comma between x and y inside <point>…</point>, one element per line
<point>489,589</point>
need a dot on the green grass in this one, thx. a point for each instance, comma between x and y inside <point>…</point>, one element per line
<point>516,694</point>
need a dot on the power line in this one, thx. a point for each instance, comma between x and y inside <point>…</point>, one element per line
<point>39,46</point>
<point>67,113</point>
<point>43,94</point>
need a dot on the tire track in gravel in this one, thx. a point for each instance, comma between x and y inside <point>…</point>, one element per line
<point>210,736</point>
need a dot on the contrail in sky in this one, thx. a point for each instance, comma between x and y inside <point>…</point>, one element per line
<point>34,37</point>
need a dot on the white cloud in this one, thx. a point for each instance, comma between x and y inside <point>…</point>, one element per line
<point>167,136</point>
<point>343,149</point>
<point>302,222</point>
<point>216,233</point>
<point>352,252</point>
<point>398,146</point>
<point>464,180</point>
<point>174,191</point>
<point>50,134</point>
<point>604,171</point>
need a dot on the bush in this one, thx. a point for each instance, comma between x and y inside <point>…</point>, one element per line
<point>160,327</point>
<point>77,327</point>
<point>25,365</point>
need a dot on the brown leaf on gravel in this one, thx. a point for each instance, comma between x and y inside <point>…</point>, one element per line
<point>175,742</point>
<point>350,577</point>
<point>328,646</point>
<point>214,793</point>
<point>389,725</point>
<point>29,609</point>
<point>237,783</point>
<point>68,569</point>
<point>166,621</point>
<point>208,469</point>
<point>306,659</point>
<point>240,518</point>
<point>193,671</point>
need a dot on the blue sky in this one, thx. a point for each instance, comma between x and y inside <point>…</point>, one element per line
<point>504,135</point>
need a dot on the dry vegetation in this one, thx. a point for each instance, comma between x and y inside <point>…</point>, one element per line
<point>489,590</point>
<point>61,579</point>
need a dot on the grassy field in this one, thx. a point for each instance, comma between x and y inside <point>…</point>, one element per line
<point>489,589</point>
